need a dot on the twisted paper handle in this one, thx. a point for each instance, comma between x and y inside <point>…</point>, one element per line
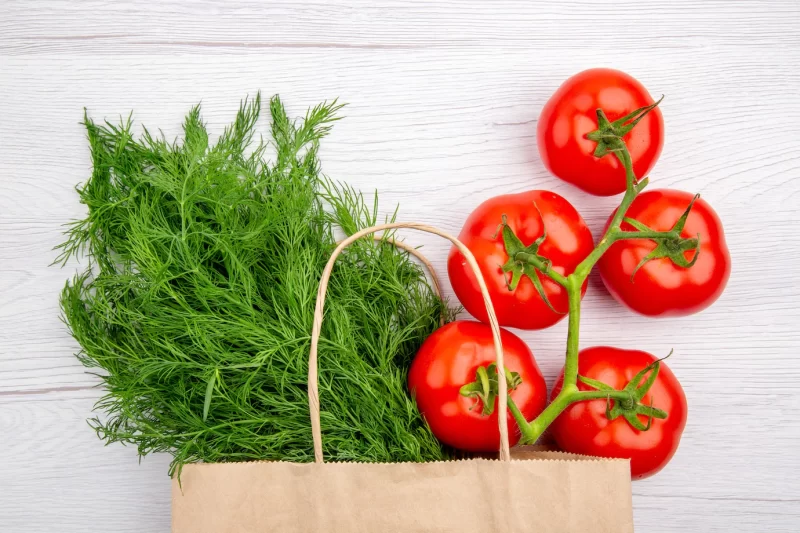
<point>313,383</point>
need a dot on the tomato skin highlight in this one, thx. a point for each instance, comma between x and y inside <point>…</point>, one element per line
<point>661,288</point>
<point>447,360</point>
<point>571,113</point>
<point>568,242</point>
<point>584,428</point>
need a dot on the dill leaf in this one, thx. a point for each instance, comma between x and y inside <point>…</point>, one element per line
<point>196,304</point>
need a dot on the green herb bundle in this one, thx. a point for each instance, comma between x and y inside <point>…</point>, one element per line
<point>197,303</point>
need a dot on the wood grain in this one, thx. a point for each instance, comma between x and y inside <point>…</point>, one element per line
<point>62,26</point>
<point>443,102</point>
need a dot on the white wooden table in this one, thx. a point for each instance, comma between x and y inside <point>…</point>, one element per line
<point>444,97</point>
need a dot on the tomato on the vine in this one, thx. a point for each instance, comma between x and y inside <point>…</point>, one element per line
<point>489,232</point>
<point>447,361</point>
<point>571,113</point>
<point>585,428</point>
<point>660,287</point>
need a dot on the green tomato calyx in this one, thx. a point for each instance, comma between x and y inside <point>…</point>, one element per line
<point>671,245</point>
<point>485,387</point>
<point>526,260</point>
<point>632,406</point>
<point>608,135</point>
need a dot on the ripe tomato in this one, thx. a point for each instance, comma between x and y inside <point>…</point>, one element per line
<point>584,428</point>
<point>661,288</point>
<point>528,214</point>
<point>448,360</point>
<point>571,113</point>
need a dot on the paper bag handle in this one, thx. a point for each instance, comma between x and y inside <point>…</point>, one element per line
<point>313,383</point>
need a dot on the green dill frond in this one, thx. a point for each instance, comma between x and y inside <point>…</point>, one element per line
<point>197,302</point>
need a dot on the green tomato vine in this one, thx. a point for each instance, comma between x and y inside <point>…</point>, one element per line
<point>627,402</point>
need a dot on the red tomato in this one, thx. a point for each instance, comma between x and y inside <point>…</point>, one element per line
<point>448,360</point>
<point>568,242</point>
<point>661,288</point>
<point>571,113</point>
<point>584,428</point>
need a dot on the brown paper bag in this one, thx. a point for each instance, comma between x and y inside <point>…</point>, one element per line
<point>470,496</point>
<point>531,490</point>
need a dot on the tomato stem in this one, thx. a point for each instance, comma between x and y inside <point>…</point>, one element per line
<point>612,233</point>
<point>653,235</point>
<point>569,391</point>
<point>531,431</point>
<point>609,141</point>
<point>573,330</point>
<point>525,427</point>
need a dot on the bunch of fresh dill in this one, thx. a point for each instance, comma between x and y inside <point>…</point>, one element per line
<point>197,303</point>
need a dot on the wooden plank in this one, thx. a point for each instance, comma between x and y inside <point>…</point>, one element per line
<point>61,26</point>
